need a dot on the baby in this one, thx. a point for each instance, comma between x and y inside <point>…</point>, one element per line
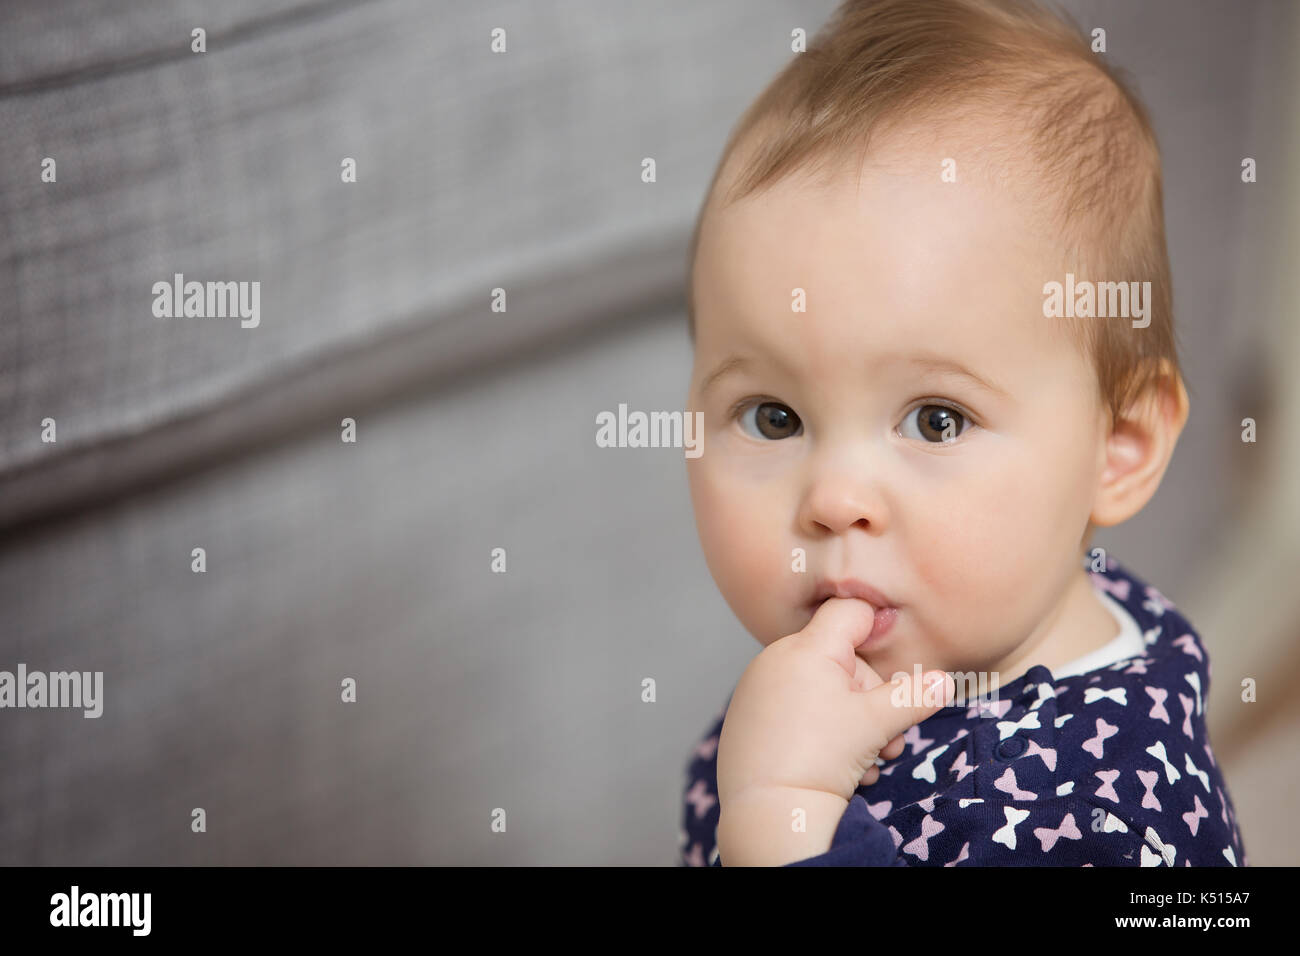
<point>908,444</point>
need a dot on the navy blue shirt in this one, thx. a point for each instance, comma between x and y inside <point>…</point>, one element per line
<point>1111,767</point>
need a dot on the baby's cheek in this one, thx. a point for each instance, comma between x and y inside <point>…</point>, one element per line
<point>1006,558</point>
<point>739,537</point>
<point>979,549</point>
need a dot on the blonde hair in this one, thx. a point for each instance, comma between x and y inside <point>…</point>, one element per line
<point>878,64</point>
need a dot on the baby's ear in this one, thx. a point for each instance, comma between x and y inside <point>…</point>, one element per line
<point>1139,448</point>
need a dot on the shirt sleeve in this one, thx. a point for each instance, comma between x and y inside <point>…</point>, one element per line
<point>860,840</point>
<point>1068,831</point>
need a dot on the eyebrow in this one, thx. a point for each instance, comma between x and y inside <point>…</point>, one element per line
<point>733,364</point>
<point>938,364</point>
<point>928,363</point>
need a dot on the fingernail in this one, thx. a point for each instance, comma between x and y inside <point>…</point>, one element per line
<point>935,681</point>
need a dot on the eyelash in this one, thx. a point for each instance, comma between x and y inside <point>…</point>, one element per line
<point>746,404</point>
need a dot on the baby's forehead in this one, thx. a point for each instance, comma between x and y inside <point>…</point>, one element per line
<point>893,247</point>
<point>928,231</point>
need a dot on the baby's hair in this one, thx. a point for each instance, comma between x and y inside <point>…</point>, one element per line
<point>885,64</point>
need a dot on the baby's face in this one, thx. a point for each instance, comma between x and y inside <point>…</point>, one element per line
<point>848,430</point>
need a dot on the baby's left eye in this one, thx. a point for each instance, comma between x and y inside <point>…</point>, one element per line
<point>936,424</point>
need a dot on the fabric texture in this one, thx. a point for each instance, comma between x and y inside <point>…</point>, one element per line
<point>1110,767</point>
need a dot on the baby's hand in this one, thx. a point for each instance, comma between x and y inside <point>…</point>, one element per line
<point>805,724</point>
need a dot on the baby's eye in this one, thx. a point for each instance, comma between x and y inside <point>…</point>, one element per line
<point>772,419</point>
<point>936,423</point>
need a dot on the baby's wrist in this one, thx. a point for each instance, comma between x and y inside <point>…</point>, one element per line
<point>773,826</point>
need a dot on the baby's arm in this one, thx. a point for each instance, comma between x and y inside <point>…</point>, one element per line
<point>860,840</point>
<point>756,827</point>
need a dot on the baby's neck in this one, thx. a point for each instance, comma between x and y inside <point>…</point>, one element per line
<point>1081,624</point>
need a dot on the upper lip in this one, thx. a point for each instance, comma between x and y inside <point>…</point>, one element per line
<point>850,588</point>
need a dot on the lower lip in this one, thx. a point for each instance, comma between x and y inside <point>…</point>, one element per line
<point>880,625</point>
<point>884,620</point>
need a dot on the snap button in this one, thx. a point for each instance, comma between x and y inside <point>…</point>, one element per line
<point>1012,747</point>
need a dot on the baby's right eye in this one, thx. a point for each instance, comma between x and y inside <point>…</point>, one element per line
<point>773,420</point>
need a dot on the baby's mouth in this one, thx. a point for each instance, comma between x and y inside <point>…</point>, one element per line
<point>881,624</point>
<point>814,605</point>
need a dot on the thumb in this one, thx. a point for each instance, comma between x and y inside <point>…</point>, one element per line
<point>905,701</point>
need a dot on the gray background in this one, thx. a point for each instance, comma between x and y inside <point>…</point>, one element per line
<point>475,429</point>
